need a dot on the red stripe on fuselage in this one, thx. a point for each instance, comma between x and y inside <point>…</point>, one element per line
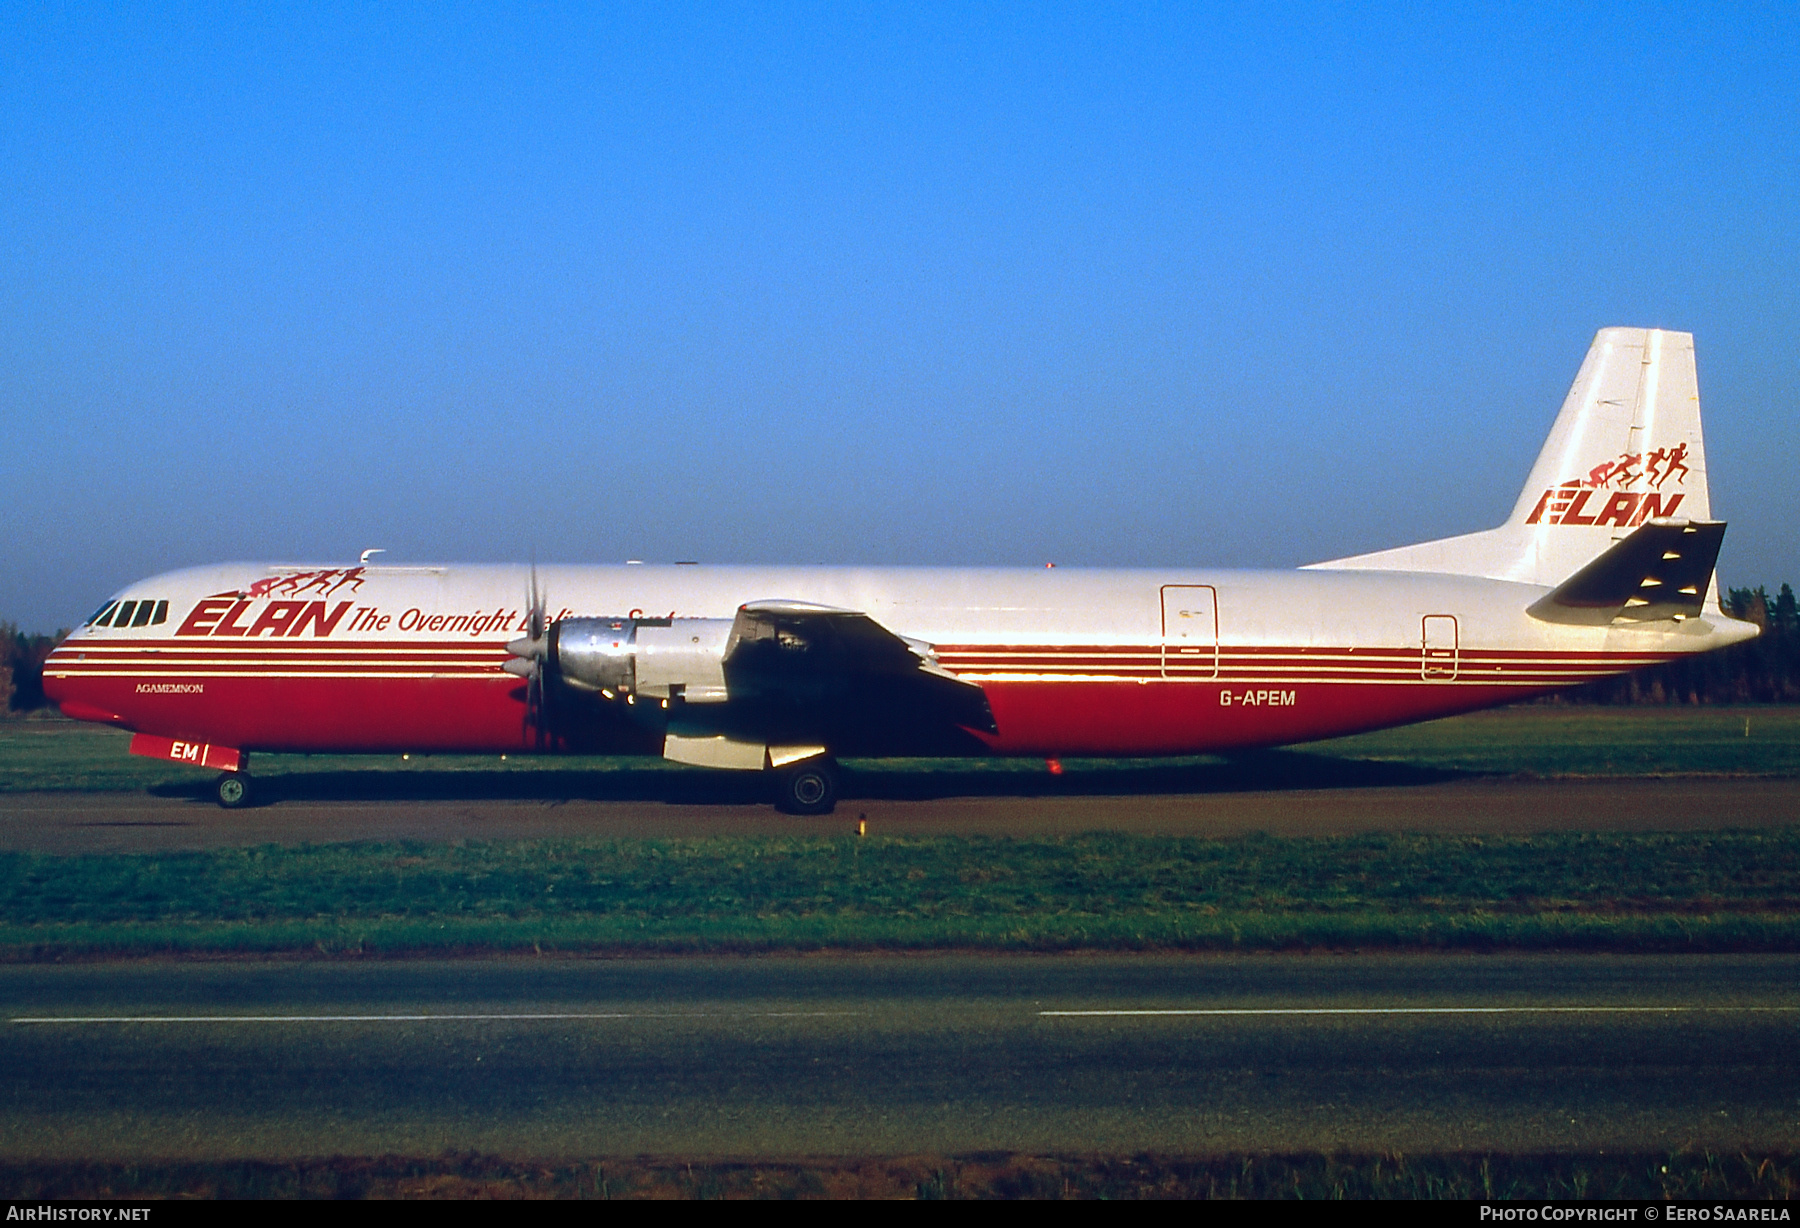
<point>486,713</point>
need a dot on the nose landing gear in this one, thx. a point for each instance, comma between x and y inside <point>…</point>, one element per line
<point>233,790</point>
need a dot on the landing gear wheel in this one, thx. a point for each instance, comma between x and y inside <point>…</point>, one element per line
<point>807,788</point>
<point>233,790</point>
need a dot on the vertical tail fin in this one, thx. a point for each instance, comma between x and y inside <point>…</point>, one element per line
<point>1625,449</point>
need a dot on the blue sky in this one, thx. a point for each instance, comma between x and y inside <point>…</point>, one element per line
<point>1238,285</point>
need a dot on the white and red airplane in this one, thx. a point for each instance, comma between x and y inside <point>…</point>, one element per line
<point>1605,565</point>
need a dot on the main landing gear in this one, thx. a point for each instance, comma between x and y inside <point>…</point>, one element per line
<point>233,790</point>
<point>807,787</point>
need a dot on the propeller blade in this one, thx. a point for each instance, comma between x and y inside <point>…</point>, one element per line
<point>530,654</point>
<point>528,648</point>
<point>534,627</point>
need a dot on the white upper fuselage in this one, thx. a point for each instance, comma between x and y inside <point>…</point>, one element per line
<point>1072,660</point>
<point>940,605</point>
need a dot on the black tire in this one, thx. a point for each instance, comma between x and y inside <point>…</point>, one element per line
<point>810,787</point>
<point>233,790</point>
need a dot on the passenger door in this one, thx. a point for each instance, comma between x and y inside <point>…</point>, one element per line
<point>1438,660</point>
<point>1190,631</point>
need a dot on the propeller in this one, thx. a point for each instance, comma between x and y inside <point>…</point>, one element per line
<point>530,652</point>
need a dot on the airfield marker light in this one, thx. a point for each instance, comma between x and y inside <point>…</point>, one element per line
<point>1055,766</point>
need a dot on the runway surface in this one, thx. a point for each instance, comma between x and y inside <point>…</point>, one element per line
<point>126,822</point>
<point>828,1056</point>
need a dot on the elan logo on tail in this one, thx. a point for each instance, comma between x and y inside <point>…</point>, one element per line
<point>1568,503</point>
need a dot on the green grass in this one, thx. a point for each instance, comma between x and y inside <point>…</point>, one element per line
<point>1624,891</point>
<point>64,756</point>
<point>1568,740</point>
<point>1641,1175</point>
<point>1671,891</point>
<point>1545,741</point>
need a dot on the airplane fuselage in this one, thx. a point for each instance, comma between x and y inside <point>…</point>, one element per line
<point>1072,661</point>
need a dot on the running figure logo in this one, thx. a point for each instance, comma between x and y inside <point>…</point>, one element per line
<point>297,583</point>
<point>1669,459</point>
<point>1614,471</point>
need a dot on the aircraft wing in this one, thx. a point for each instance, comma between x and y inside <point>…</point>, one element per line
<point>840,671</point>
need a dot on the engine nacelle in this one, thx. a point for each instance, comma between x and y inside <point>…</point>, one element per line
<point>656,658</point>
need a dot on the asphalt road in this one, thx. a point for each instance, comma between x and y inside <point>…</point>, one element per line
<point>829,1056</point>
<point>840,1056</point>
<point>125,822</point>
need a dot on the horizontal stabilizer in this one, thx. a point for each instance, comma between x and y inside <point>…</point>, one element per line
<point>1661,571</point>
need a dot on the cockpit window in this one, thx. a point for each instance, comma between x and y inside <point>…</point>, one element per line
<point>145,613</point>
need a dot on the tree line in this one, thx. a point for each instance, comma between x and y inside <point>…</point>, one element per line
<point>22,667</point>
<point>1765,670</point>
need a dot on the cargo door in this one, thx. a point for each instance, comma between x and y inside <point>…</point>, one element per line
<point>1438,662</point>
<point>1190,627</point>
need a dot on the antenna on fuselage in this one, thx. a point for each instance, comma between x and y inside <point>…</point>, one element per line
<point>364,560</point>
